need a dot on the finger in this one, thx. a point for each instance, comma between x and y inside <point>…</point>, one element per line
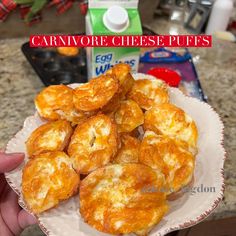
<point>9,162</point>
<point>2,182</point>
<point>10,210</point>
<point>25,219</point>
<point>4,229</point>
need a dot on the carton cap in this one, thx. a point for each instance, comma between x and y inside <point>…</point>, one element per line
<point>116,19</point>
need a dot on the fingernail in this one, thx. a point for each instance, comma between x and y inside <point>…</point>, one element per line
<point>15,154</point>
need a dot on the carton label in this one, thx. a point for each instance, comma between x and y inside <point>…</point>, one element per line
<point>99,60</point>
<point>104,58</point>
<point>105,61</point>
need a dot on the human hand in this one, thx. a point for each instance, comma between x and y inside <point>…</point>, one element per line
<point>13,219</point>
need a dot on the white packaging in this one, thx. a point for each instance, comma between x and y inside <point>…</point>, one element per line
<point>112,18</point>
<point>220,15</point>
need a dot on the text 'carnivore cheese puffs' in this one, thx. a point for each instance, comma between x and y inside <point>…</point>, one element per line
<point>124,137</point>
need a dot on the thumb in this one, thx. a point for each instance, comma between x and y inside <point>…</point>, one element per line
<point>25,219</point>
<point>9,162</point>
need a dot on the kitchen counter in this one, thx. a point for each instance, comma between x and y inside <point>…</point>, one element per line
<point>216,68</point>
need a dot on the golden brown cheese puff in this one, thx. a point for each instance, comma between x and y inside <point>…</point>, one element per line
<point>148,93</point>
<point>137,133</point>
<point>121,199</point>
<point>123,73</point>
<point>93,144</point>
<point>170,120</point>
<point>111,107</point>
<point>129,116</point>
<point>47,180</point>
<point>56,102</point>
<point>168,156</point>
<point>129,150</point>
<point>75,116</point>
<point>52,136</point>
<point>95,94</point>
<point>68,51</point>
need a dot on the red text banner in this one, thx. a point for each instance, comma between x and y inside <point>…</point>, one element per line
<point>120,41</point>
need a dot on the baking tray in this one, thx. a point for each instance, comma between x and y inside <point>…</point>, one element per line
<point>54,68</point>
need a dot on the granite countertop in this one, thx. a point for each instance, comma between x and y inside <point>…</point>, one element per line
<point>216,68</point>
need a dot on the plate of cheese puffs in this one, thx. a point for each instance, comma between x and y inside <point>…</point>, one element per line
<point>122,154</point>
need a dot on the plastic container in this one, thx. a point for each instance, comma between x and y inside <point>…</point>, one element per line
<point>171,77</point>
<point>172,67</point>
<point>220,15</point>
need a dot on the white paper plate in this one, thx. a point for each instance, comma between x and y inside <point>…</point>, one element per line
<point>184,212</point>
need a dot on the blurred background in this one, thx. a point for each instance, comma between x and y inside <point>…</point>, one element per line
<point>68,16</point>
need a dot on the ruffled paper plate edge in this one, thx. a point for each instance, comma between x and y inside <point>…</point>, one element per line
<point>186,224</point>
<point>220,196</point>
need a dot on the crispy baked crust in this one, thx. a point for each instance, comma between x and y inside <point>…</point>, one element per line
<point>129,150</point>
<point>129,116</point>
<point>47,180</point>
<point>148,93</point>
<point>93,144</point>
<point>115,199</point>
<point>52,136</point>
<point>95,94</point>
<point>176,195</point>
<point>111,107</point>
<point>74,116</point>
<point>170,120</point>
<point>123,73</point>
<point>52,99</point>
<point>168,156</point>
<point>56,102</point>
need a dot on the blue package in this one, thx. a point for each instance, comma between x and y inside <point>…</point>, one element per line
<point>182,64</point>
